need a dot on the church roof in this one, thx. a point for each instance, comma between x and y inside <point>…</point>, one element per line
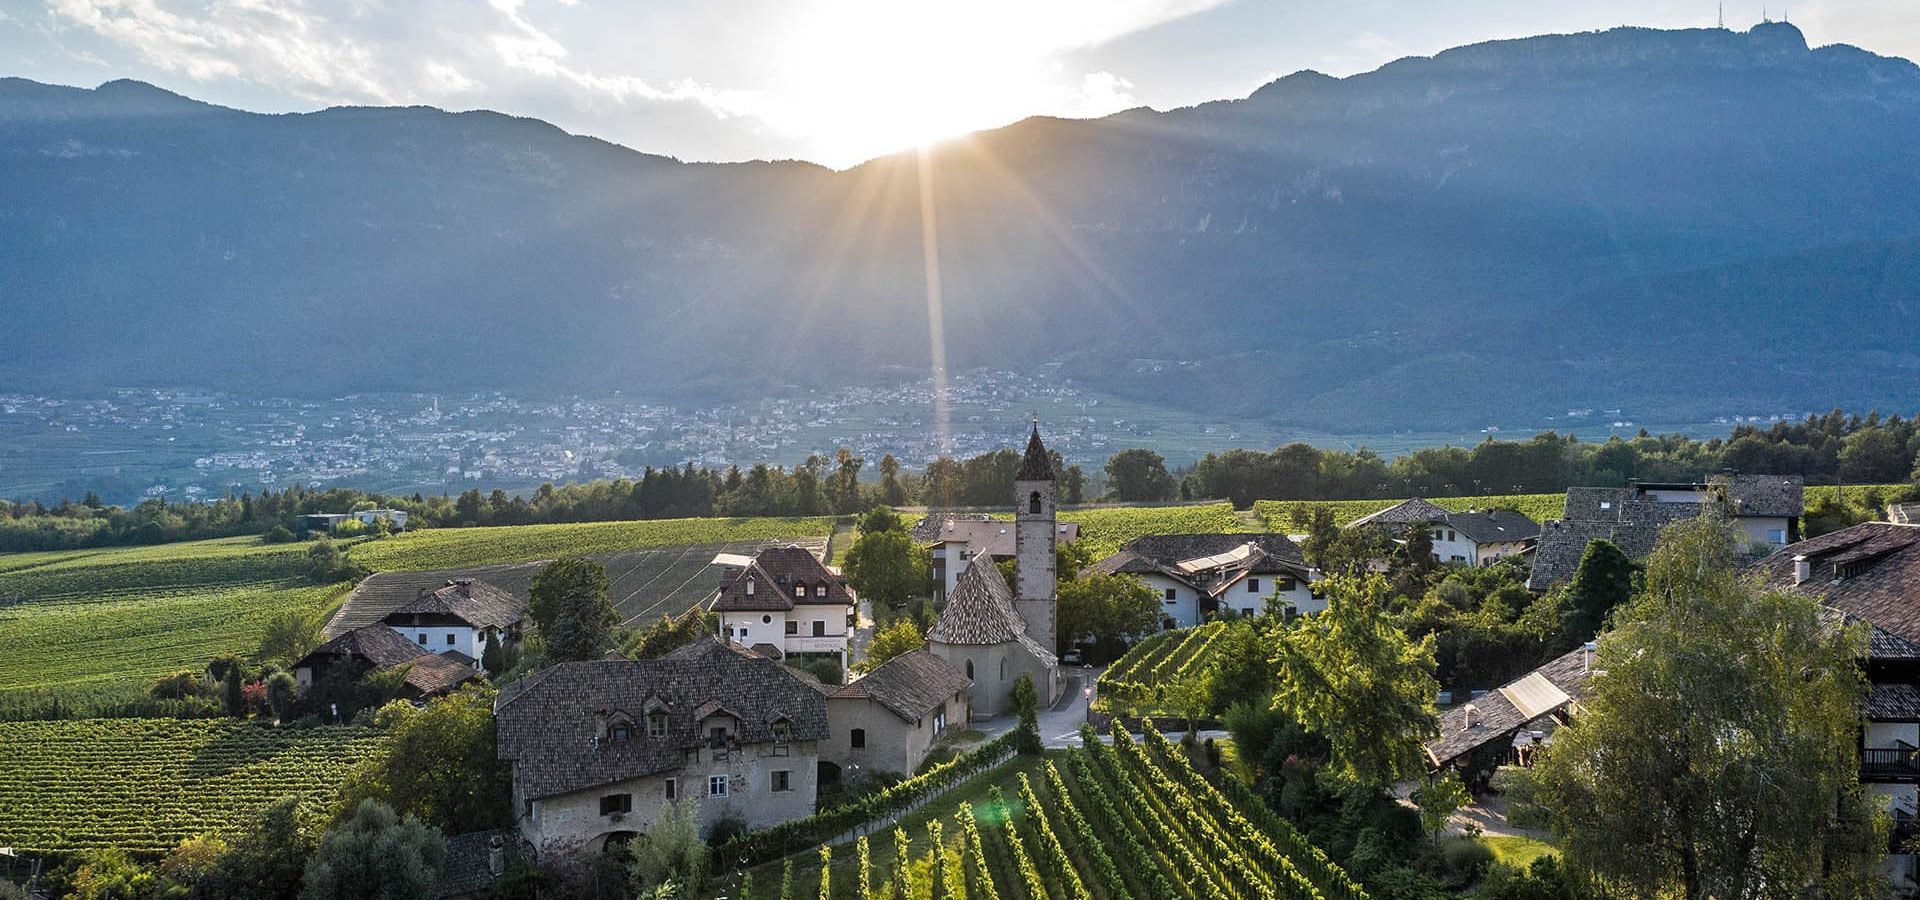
<point>1035,466</point>
<point>980,612</point>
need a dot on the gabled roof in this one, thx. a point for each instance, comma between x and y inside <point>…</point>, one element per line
<point>377,644</point>
<point>910,685</point>
<point>1631,517</point>
<point>436,674</point>
<point>980,612</point>
<point>1165,554</point>
<point>1406,512</point>
<point>550,723</point>
<point>773,574</point>
<point>474,602</point>
<point>1035,465</point>
<point>1496,717</point>
<point>1870,571</point>
<point>1493,526</point>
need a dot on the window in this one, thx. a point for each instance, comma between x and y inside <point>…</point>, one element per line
<point>1777,536</point>
<point>717,735</point>
<point>1450,535</point>
<point>673,789</point>
<point>621,732</point>
<point>782,780</point>
<point>858,740</point>
<point>716,785</point>
<point>1171,594</point>
<point>940,721</point>
<point>1033,503</point>
<point>614,804</point>
<point>1246,611</point>
<point>656,724</point>
<point>1253,585</point>
<point>799,590</point>
<point>449,639</point>
<point>1003,670</point>
<point>793,627</point>
<point>819,628</point>
<point>969,670</point>
<point>1283,585</point>
<point>782,731</point>
<point>819,590</point>
<point>422,639</point>
<point>529,809</point>
<point>766,620</point>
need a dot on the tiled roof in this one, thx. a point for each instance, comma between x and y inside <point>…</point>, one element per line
<point>994,537</point>
<point>910,685</point>
<point>1161,554</point>
<point>931,526</point>
<point>1496,718</point>
<point>465,872</point>
<point>551,722</point>
<point>1893,703</point>
<point>1406,512</point>
<point>1766,495</point>
<point>437,674</point>
<point>1903,513</point>
<point>1870,571</point>
<point>980,612</point>
<point>774,574</point>
<point>1493,526</point>
<point>474,602</point>
<point>1631,517</point>
<point>383,592</point>
<point>377,644</point>
<point>1035,466</point>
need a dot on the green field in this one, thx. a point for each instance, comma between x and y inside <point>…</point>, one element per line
<point>143,785</point>
<point>1130,820</point>
<point>1107,529</point>
<point>447,548</point>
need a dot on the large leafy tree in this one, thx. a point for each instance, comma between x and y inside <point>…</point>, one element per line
<point>569,604</point>
<point>438,763</point>
<point>903,636</point>
<point>1353,677</point>
<point>1139,474</point>
<point>265,860</point>
<point>1714,755</point>
<point>1604,580</point>
<point>375,855</point>
<point>886,566</point>
<point>1106,610</point>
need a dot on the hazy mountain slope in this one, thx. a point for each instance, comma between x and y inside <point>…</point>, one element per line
<point>1668,222</point>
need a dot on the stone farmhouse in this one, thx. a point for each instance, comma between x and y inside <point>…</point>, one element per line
<point>994,633</point>
<point>786,602</point>
<point>375,647</point>
<point>460,619</point>
<point>1767,508</point>
<point>1198,575</point>
<point>890,718</point>
<point>597,748</point>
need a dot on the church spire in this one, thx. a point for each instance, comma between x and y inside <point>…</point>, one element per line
<point>1035,466</point>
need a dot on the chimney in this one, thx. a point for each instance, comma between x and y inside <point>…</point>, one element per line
<point>496,856</point>
<point>1472,712</point>
<point>1802,569</point>
<point>1586,657</point>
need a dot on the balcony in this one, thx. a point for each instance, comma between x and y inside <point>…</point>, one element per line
<point>1899,765</point>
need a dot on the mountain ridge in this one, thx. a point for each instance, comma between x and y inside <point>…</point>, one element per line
<point>1492,215</point>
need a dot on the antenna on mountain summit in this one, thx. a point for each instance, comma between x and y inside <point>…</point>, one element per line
<point>1720,21</point>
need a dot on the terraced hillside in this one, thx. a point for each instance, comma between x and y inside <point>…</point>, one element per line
<point>1131,820</point>
<point>1135,683</point>
<point>143,785</point>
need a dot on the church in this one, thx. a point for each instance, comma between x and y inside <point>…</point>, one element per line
<point>996,633</point>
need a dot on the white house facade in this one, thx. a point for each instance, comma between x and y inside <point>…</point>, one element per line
<point>1200,575</point>
<point>787,602</point>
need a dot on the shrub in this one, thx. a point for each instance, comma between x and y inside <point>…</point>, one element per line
<point>1465,858</point>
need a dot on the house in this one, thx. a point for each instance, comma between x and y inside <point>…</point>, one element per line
<point>956,541</point>
<point>1903,513</point>
<point>375,647</point>
<point>1472,538</point>
<point>328,522</point>
<point>597,748</point>
<point>888,719</point>
<point>786,602</point>
<point>1767,508</point>
<point>459,619</point>
<point>475,861</point>
<point>994,633</point>
<point>1197,575</point>
<point>1497,727</point>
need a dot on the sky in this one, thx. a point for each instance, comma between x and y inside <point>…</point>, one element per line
<point>832,81</point>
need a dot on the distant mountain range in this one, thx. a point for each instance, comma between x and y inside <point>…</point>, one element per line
<point>1676,223</point>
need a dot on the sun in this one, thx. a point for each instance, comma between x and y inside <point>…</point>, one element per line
<point>860,79</point>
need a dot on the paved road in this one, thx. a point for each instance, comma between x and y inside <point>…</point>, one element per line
<point>1059,726</point>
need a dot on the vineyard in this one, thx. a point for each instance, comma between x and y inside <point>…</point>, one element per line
<point>1277,514</point>
<point>1105,530</point>
<point>450,547</point>
<point>1134,819</point>
<point>1135,683</point>
<point>143,785</point>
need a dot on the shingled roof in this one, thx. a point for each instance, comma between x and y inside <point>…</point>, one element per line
<point>1492,526</point>
<point>552,724</point>
<point>980,612</point>
<point>774,574</point>
<point>993,537</point>
<point>910,685</point>
<point>384,648</point>
<point>472,601</point>
<point>1496,717</point>
<point>1631,517</point>
<point>1406,512</point>
<point>1035,465</point>
<point>1870,570</point>
<point>1161,554</point>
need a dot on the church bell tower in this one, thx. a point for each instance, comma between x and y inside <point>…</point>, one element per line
<point>1034,535</point>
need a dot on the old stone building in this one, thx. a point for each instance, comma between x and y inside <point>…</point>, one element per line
<point>888,719</point>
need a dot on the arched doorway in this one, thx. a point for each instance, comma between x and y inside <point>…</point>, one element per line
<point>829,773</point>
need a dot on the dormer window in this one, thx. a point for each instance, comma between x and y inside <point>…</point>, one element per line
<point>621,732</point>
<point>782,731</point>
<point>656,724</point>
<point>799,590</point>
<point>820,590</point>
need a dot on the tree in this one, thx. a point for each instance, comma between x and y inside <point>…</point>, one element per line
<point>289,636</point>
<point>1603,580</point>
<point>1716,755</point>
<point>326,564</point>
<point>665,635</point>
<point>1073,485</point>
<point>1106,610</point>
<point>233,692</point>
<point>569,604</point>
<point>438,764</point>
<point>1438,799</point>
<point>892,492</point>
<point>376,855</point>
<point>1026,704</point>
<point>903,636</point>
<point>887,567</point>
<point>264,862</point>
<point>1351,676</point>
<point>670,853</point>
<point>283,691</point>
<point>881,518</point>
<point>1137,475</point>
